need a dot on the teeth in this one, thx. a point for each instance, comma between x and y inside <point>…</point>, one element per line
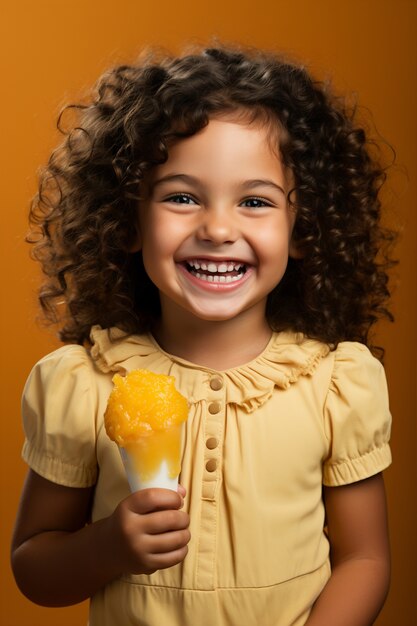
<point>218,279</point>
<point>216,268</point>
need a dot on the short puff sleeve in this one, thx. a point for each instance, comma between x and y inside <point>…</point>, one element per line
<point>59,418</point>
<point>357,419</point>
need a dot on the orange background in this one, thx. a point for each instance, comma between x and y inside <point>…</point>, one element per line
<point>52,51</point>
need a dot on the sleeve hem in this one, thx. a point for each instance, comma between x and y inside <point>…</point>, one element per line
<point>359,468</point>
<point>56,470</point>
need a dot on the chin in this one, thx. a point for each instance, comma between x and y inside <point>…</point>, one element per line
<point>213,316</point>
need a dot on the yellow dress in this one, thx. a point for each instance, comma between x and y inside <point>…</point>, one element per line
<point>261,440</point>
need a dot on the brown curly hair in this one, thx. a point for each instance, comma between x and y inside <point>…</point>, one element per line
<point>84,216</point>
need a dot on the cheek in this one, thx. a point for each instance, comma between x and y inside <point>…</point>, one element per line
<point>154,232</point>
<point>162,236</point>
<point>273,244</point>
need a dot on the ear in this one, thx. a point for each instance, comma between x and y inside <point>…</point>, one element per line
<point>294,251</point>
<point>136,244</point>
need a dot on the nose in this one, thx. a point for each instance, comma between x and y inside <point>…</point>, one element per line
<point>217,226</point>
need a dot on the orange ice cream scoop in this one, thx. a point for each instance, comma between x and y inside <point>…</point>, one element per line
<point>144,415</point>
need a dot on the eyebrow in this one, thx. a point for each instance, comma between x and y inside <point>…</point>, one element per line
<point>247,184</point>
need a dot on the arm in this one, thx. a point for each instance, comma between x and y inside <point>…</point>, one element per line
<point>58,559</point>
<point>360,556</point>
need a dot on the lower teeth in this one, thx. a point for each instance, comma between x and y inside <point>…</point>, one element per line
<point>215,278</point>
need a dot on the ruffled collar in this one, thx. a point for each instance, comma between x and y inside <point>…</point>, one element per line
<point>286,358</point>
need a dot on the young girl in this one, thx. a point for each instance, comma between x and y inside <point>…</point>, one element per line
<point>214,217</point>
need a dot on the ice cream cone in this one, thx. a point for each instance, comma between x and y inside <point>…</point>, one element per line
<point>154,461</point>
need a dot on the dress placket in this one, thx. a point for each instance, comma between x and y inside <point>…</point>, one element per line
<point>212,474</point>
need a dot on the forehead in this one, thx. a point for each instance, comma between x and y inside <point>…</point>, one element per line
<point>264,121</point>
<point>257,118</point>
<point>231,148</point>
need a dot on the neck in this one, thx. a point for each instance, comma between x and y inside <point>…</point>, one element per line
<point>218,345</point>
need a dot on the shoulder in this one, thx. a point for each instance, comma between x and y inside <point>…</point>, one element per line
<point>353,350</point>
<point>62,377</point>
<point>354,365</point>
<point>69,354</point>
<point>61,365</point>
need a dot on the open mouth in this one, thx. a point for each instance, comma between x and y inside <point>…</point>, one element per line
<point>216,272</point>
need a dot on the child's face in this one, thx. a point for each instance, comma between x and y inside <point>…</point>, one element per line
<point>215,228</point>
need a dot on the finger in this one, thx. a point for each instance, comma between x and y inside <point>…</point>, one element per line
<point>162,561</point>
<point>165,521</point>
<point>149,500</point>
<point>182,491</point>
<point>168,542</point>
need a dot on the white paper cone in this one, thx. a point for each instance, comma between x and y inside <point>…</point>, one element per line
<point>160,479</point>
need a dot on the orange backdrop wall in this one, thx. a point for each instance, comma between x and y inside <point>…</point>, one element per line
<point>51,52</point>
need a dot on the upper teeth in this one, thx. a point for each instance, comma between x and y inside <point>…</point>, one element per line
<point>223,266</point>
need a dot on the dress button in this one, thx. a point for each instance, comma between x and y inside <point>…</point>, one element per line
<point>216,384</point>
<point>214,407</point>
<point>211,465</point>
<point>212,443</point>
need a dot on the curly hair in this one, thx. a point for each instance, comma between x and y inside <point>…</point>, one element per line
<point>84,216</point>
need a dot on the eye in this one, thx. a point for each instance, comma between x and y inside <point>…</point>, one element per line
<point>181,198</point>
<point>256,203</point>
